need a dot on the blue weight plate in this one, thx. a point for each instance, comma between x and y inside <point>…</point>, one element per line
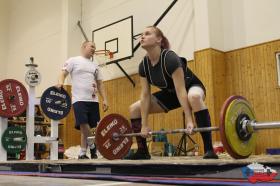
<point>55,103</point>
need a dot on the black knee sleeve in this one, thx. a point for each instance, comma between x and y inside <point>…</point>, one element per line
<point>136,125</point>
<point>202,118</point>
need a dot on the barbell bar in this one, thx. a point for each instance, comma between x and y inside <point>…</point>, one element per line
<point>261,125</point>
<point>201,129</point>
<point>247,126</point>
<point>237,128</point>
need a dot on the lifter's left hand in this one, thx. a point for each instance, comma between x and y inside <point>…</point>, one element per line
<point>190,127</point>
<point>145,131</point>
<point>105,105</point>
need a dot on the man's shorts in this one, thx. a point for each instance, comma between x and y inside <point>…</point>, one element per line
<point>86,112</point>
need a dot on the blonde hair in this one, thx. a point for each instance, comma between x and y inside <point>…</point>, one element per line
<point>164,42</point>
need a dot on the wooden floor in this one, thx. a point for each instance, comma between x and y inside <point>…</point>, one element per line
<point>159,168</point>
<point>178,160</point>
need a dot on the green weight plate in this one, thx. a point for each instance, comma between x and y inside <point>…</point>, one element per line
<point>14,139</point>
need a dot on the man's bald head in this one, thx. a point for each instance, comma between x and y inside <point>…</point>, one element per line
<point>88,49</point>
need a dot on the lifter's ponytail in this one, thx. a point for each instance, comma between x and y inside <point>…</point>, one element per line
<point>164,42</point>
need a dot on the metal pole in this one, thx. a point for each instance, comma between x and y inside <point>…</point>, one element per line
<point>82,30</point>
<point>3,127</point>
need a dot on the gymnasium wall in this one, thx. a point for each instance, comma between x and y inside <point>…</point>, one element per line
<point>3,37</point>
<point>34,30</point>
<point>251,72</point>
<point>177,25</point>
<point>47,30</point>
<point>249,22</point>
<point>41,29</point>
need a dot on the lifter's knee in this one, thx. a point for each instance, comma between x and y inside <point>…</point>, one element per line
<point>134,110</point>
<point>196,100</point>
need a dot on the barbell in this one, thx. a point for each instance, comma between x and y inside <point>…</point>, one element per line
<point>113,135</point>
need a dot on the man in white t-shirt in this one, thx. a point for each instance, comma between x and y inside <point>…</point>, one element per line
<point>86,83</point>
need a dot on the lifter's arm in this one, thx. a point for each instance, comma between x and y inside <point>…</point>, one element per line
<point>179,82</point>
<point>145,100</point>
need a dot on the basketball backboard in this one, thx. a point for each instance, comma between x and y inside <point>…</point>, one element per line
<point>116,37</point>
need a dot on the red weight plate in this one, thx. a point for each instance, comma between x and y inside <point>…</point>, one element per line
<point>13,98</point>
<point>222,127</point>
<point>107,146</point>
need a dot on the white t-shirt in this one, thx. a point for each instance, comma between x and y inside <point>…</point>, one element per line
<point>84,74</point>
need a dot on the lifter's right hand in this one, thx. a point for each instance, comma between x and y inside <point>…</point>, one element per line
<point>145,131</point>
<point>59,86</point>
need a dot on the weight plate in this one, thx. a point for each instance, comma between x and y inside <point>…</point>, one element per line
<point>107,146</point>
<point>55,103</point>
<point>32,77</point>
<point>236,146</point>
<point>14,139</point>
<point>13,98</point>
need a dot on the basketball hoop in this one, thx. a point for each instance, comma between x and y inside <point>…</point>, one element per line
<point>103,56</point>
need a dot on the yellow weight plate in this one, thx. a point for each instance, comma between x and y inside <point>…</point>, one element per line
<point>234,107</point>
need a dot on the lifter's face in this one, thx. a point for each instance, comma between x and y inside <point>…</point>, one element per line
<point>88,49</point>
<point>149,38</point>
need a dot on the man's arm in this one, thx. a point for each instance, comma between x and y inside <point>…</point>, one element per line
<point>102,93</point>
<point>61,78</point>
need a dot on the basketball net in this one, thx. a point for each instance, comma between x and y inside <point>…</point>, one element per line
<point>103,56</point>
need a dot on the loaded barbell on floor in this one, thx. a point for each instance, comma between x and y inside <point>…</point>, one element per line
<point>237,128</point>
